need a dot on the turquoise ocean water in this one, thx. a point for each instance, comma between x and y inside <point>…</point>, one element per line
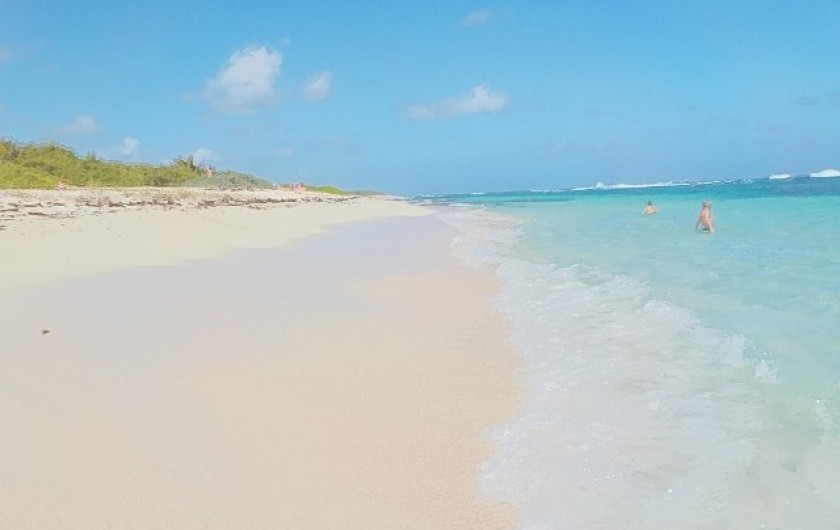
<point>672,379</point>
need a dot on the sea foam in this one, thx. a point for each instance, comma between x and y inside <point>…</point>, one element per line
<point>637,412</point>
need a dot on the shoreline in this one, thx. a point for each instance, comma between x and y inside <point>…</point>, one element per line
<point>345,380</point>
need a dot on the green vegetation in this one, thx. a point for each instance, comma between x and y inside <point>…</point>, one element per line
<point>327,189</point>
<point>51,165</point>
<point>48,165</point>
<point>227,179</point>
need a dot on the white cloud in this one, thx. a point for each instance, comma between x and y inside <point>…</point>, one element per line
<point>81,125</point>
<point>246,82</point>
<point>129,149</point>
<point>202,154</point>
<point>481,99</point>
<point>477,18</point>
<point>318,87</point>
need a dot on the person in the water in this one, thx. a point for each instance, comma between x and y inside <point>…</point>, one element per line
<point>705,221</point>
<point>650,209</point>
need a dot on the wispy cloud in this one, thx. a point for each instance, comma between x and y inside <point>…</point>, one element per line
<point>204,155</point>
<point>129,150</point>
<point>318,87</point>
<point>285,152</point>
<point>81,125</point>
<point>6,55</point>
<point>247,82</point>
<point>480,100</point>
<point>477,18</point>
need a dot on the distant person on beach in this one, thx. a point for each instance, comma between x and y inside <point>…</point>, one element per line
<point>650,209</point>
<point>705,221</point>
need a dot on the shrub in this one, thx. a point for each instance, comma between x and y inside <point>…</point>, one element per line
<point>16,176</point>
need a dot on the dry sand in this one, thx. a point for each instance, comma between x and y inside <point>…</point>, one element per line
<point>53,235</point>
<point>342,381</point>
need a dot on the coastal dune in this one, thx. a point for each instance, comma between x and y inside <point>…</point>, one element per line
<point>337,368</point>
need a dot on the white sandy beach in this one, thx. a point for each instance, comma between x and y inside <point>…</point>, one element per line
<point>302,365</point>
<point>54,235</point>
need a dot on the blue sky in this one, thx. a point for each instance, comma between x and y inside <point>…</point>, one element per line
<point>432,97</point>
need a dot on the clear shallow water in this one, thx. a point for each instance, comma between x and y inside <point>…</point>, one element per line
<point>673,379</point>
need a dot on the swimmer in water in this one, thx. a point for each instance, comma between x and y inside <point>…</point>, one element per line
<point>650,209</point>
<point>705,221</point>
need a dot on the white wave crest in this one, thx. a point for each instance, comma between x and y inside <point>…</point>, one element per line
<point>826,173</point>
<point>626,186</point>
